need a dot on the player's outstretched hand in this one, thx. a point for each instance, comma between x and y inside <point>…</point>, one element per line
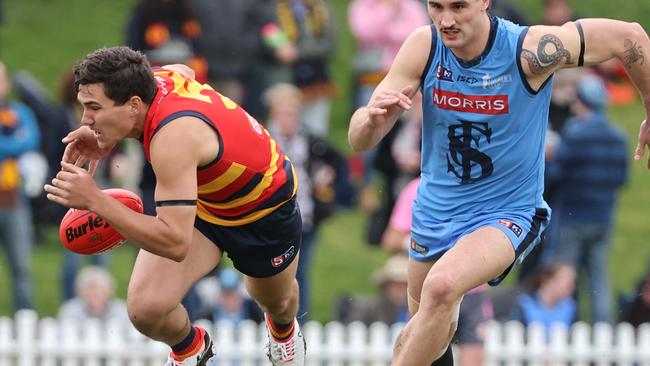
<point>82,148</point>
<point>644,141</point>
<point>389,101</point>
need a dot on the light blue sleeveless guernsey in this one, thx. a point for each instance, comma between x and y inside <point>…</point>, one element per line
<point>483,132</point>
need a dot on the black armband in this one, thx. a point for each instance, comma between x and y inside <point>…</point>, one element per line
<point>581,57</point>
<point>176,203</point>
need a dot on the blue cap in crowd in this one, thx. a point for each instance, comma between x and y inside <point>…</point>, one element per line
<point>228,279</point>
<point>592,92</point>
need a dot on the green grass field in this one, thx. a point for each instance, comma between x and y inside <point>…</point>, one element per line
<point>45,37</point>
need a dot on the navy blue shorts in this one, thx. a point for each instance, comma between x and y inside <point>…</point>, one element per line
<point>262,248</point>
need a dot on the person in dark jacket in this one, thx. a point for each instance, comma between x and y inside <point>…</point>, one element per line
<point>589,166</point>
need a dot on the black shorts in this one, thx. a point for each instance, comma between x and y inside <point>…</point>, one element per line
<point>262,248</point>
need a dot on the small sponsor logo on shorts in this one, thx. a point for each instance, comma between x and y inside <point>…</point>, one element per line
<point>418,248</point>
<point>512,226</point>
<point>277,261</point>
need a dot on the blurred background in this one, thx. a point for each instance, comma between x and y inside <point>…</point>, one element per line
<point>41,39</point>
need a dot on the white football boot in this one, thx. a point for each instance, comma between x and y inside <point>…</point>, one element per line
<point>287,352</point>
<point>204,357</point>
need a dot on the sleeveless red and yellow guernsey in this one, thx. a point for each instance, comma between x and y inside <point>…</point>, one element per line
<point>250,177</point>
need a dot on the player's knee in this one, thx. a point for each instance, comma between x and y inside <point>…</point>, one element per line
<point>144,314</point>
<point>439,290</point>
<point>276,306</point>
<point>281,304</point>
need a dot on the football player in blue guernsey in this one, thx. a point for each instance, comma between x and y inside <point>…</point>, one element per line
<point>486,86</point>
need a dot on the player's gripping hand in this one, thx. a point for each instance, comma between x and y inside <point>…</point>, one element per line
<point>82,148</point>
<point>387,104</point>
<point>73,187</point>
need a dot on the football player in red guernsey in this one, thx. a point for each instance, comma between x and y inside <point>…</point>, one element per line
<point>223,185</point>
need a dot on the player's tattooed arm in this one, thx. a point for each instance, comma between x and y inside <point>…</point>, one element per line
<point>633,54</point>
<point>550,52</point>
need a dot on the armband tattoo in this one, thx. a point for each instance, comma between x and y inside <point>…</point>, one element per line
<point>176,203</point>
<point>581,57</point>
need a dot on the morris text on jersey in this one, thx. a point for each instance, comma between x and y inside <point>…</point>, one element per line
<point>481,104</point>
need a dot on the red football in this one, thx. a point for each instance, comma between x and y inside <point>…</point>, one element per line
<point>83,232</point>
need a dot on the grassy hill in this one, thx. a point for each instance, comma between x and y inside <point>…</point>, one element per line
<point>45,37</point>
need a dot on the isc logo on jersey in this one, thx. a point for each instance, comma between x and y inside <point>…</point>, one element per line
<point>254,124</point>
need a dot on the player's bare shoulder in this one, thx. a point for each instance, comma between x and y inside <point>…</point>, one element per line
<point>421,35</point>
<point>548,48</point>
<point>418,44</point>
<point>414,54</point>
<point>186,136</point>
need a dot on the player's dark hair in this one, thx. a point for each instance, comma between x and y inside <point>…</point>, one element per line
<point>123,72</point>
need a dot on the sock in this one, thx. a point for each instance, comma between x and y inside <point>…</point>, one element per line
<point>447,358</point>
<point>189,345</point>
<point>279,331</point>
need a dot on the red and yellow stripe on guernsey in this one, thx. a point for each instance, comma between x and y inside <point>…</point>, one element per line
<point>208,210</point>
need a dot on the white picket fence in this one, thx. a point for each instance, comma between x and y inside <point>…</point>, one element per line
<point>581,345</point>
<point>27,340</point>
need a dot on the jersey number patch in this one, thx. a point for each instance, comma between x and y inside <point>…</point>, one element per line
<point>189,88</point>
